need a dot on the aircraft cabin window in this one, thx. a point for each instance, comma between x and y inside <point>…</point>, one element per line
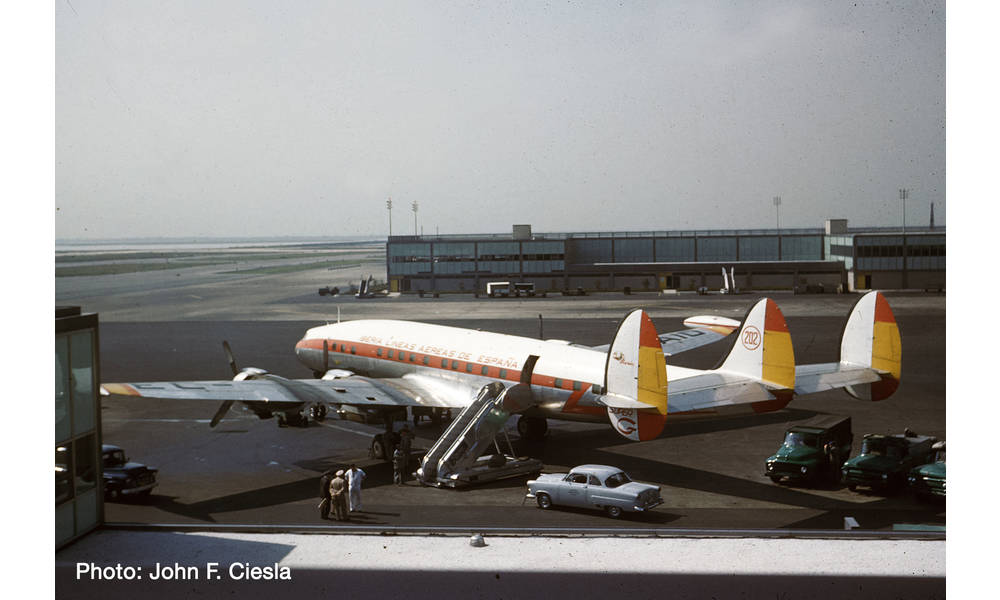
<point>559,383</point>
<point>413,357</point>
<point>427,360</point>
<point>485,370</point>
<point>503,373</point>
<point>454,364</point>
<point>378,351</point>
<point>577,386</point>
<point>444,363</point>
<point>354,349</point>
<point>389,353</point>
<point>468,367</point>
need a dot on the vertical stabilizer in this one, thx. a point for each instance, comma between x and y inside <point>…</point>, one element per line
<point>871,339</point>
<point>763,347</point>
<point>636,379</point>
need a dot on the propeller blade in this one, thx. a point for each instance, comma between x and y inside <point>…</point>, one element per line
<point>220,413</point>
<point>229,356</point>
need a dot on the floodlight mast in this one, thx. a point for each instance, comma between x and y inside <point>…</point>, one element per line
<point>388,206</point>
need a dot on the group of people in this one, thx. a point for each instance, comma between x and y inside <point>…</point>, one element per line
<point>341,493</point>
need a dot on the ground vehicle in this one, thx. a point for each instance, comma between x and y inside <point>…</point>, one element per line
<point>930,479</point>
<point>594,486</point>
<point>504,289</point>
<point>813,451</point>
<point>124,478</point>
<point>885,460</point>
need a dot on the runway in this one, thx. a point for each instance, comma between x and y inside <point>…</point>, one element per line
<point>248,471</point>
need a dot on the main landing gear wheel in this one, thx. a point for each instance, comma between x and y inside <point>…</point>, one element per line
<point>543,500</point>
<point>532,428</point>
<point>318,412</point>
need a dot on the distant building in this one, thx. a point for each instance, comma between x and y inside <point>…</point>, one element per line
<point>830,258</point>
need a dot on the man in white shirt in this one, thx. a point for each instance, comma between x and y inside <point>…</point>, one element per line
<point>354,478</point>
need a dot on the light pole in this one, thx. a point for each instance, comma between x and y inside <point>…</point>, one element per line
<point>414,207</point>
<point>777,211</point>
<point>388,206</point>
<point>903,195</point>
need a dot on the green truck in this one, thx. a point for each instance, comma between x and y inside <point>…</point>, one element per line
<point>886,460</point>
<point>928,480</point>
<point>812,452</point>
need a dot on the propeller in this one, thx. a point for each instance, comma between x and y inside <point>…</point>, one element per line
<point>228,403</point>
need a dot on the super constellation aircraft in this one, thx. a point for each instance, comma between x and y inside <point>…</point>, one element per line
<point>389,365</point>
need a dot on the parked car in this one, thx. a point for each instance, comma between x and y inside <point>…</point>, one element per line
<point>929,480</point>
<point>885,460</point>
<point>124,478</point>
<point>813,451</point>
<point>594,486</point>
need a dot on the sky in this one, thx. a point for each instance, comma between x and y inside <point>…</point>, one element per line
<point>250,118</point>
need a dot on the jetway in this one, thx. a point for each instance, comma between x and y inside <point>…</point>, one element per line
<point>461,455</point>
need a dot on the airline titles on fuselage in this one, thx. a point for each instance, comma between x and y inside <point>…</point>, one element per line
<point>441,352</point>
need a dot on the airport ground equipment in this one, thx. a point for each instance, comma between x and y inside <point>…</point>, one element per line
<point>594,486</point>
<point>812,452</point>
<point>886,460</point>
<point>929,480</point>
<point>457,457</point>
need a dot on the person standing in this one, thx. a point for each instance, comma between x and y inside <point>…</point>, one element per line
<point>405,444</point>
<point>398,464</point>
<point>354,478</point>
<point>324,493</point>
<point>338,496</point>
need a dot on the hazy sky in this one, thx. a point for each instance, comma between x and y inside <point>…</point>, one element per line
<point>302,118</point>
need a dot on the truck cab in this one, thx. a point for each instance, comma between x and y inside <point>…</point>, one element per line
<point>886,460</point>
<point>812,452</point>
<point>929,480</point>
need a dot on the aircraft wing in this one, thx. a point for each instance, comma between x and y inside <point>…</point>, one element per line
<point>354,390</point>
<point>700,331</point>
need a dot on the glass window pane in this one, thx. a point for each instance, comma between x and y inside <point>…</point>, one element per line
<point>82,375</point>
<point>62,388</point>
<point>85,460</point>
<point>64,473</point>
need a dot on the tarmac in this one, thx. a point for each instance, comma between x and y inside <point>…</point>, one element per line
<point>251,472</point>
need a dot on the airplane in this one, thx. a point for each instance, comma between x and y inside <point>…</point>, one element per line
<point>391,365</point>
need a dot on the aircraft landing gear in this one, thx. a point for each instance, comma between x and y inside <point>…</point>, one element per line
<point>532,428</point>
<point>318,411</point>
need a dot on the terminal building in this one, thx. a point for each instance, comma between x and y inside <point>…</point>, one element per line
<point>832,258</point>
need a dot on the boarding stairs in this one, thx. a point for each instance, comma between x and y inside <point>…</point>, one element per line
<point>456,458</point>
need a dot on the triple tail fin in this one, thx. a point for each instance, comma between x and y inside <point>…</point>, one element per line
<point>763,349</point>
<point>871,339</point>
<point>635,379</point>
